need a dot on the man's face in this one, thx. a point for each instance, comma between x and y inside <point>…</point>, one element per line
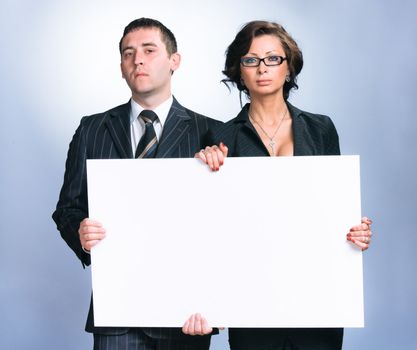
<point>146,65</point>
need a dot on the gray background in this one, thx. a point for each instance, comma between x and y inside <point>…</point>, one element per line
<point>59,61</point>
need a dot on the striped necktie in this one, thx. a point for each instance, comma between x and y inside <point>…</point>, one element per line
<point>148,143</point>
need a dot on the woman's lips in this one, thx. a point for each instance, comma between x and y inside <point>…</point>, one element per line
<point>263,82</point>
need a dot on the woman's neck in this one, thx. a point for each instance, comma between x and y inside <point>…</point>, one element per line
<point>268,111</point>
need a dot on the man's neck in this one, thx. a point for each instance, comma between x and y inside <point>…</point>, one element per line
<point>151,101</point>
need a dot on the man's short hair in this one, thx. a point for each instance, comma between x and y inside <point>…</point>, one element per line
<point>166,35</point>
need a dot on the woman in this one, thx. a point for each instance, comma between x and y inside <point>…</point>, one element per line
<point>263,61</point>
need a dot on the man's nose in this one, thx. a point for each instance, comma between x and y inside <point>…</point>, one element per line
<point>139,59</point>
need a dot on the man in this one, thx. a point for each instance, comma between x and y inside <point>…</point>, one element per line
<point>151,124</point>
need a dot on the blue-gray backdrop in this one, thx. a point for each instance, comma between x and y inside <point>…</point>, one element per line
<point>59,61</point>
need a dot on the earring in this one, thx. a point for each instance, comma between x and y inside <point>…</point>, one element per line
<point>242,82</point>
<point>288,78</point>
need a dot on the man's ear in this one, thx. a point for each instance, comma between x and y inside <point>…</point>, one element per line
<point>121,70</point>
<point>175,61</point>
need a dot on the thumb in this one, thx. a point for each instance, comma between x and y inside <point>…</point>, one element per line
<point>223,148</point>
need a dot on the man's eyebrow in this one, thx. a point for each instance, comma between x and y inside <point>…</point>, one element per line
<point>128,48</point>
<point>149,44</point>
<point>143,45</point>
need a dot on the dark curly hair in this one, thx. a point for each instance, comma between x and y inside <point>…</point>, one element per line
<point>241,45</point>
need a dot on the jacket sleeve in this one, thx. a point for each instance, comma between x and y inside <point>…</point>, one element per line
<point>72,206</point>
<point>209,138</point>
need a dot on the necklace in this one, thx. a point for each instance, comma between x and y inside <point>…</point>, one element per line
<point>272,142</point>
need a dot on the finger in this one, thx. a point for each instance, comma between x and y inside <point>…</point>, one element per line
<point>87,244</point>
<point>205,326</point>
<point>185,327</point>
<point>87,228</point>
<point>361,227</point>
<point>201,156</point>
<point>93,236</point>
<point>224,149</point>
<point>197,325</point>
<point>359,243</point>
<point>358,234</point>
<point>191,325</point>
<point>209,157</point>
<point>366,220</point>
<point>89,240</point>
<point>86,236</point>
<point>363,239</point>
<point>215,158</point>
<point>220,155</point>
<point>90,222</point>
<point>90,244</point>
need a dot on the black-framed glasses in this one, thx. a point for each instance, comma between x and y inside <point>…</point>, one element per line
<point>256,61</point>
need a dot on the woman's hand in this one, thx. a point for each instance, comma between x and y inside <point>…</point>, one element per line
<point>213,156</point>
<point>361,234</point>
<point>196,325</point>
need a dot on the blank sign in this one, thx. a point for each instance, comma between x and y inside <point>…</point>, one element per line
<point>260,243</point>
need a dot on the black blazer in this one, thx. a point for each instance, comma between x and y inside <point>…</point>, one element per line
<point>105,136</point>
<point>314,134</point>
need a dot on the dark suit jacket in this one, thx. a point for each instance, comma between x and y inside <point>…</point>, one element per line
<point>105,136</point>
<point>314,134</point>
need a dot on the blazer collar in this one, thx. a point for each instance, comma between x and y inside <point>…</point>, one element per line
<point>297,124</point>
<point>118,124</point>
<point>175,129</point>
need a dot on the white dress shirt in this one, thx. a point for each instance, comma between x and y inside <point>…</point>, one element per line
<point>137,125</point>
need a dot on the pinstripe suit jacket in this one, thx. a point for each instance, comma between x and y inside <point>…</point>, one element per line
<point>105,136</point>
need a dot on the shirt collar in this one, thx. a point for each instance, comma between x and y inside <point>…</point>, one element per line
<point>161,111</point>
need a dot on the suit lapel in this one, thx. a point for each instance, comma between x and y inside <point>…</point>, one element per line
<point>303,143</point>
<point>118,124</point>
<point>175,129</point>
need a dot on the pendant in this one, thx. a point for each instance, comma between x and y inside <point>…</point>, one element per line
<point>272,145</point>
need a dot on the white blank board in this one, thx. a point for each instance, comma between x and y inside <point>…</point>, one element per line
<point>260,243</point>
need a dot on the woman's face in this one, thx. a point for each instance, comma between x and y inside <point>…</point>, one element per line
<point>265,79</point>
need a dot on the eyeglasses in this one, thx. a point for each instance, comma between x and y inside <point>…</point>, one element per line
<point>268,61</point>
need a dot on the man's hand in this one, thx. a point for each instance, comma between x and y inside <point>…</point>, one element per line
<point>196,325</point>
<point>91,232</point>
